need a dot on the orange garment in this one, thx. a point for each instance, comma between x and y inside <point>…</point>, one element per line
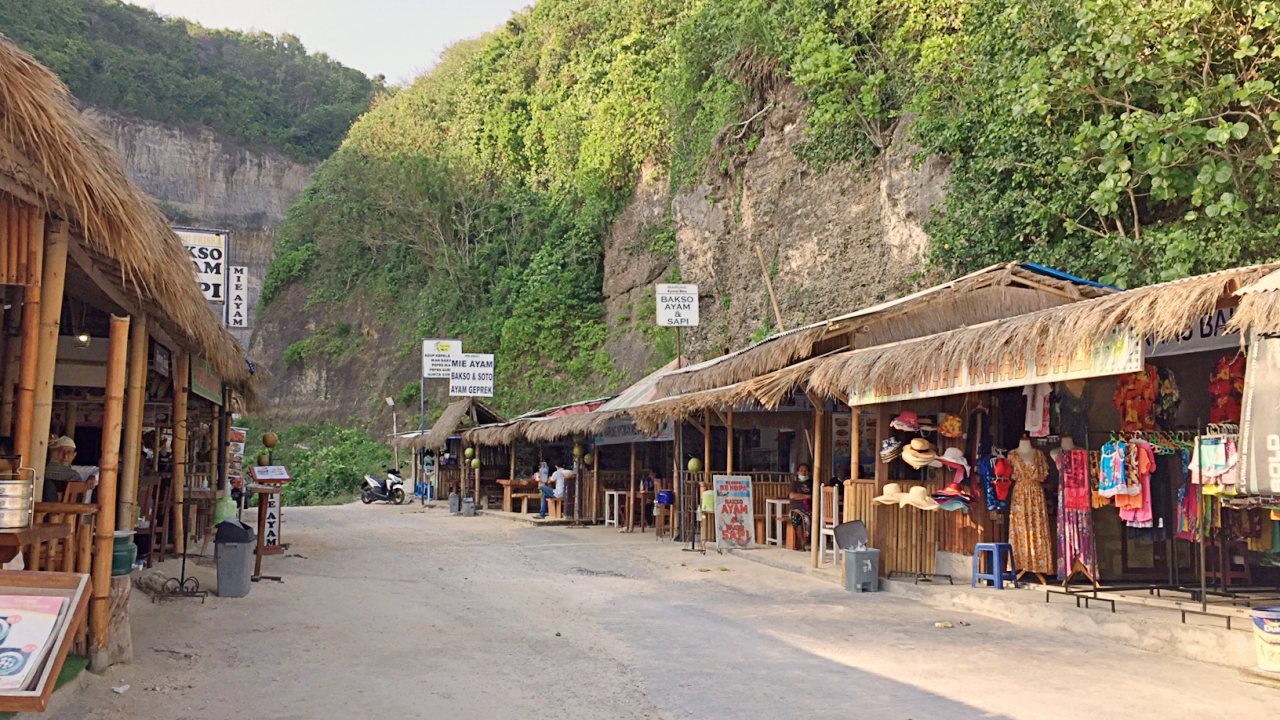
<point>1029,532</point>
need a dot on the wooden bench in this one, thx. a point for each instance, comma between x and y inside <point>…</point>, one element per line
<point>525,498</point>
<point>555,508</point>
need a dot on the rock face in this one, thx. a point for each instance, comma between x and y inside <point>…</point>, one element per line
<point>201,180</point>
<point>830,243</point>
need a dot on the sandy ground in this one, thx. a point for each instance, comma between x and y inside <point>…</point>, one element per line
<point>410,613</point>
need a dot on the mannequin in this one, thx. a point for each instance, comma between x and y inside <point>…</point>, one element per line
<point>1077,549</point>
<point>1029,532</point>
<point>1025,450</point>
<point>1067,445</point>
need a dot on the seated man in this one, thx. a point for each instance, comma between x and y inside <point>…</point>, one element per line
<point>58,472</point>
<point>553,489</point>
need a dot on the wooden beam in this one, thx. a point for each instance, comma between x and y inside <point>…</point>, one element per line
<point>706,448</point>
<point>819,466</point>
<point>30,358</point>
<point>728,451</point>
<point>631,499</point>
<point>108,476</point>
<point>855,443</point>
<point>81,257</point>
<point>54,277</point>
<point>181,387</point>
<point>139,351</point>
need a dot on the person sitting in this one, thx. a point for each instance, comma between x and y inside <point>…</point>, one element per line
<point>553,489</point>
<point>801,497</point>
<point>58,472</point>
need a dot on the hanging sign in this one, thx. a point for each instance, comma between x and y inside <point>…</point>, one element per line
<point>208,252</point>
<point>1260,419</point>
<point>735,519</point>
<point>471,375</point>
<point>1207,333</point>
<point>205,381</point>
<point>1120,353</point>
<point>677,305</point>
<point>622,430</point>
<point>238,296</point>
<point>437,357</point>
<point>271,528</point>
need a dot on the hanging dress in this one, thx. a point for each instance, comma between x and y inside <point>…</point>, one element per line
<point>1075,517</point>
<point>1029,516</point>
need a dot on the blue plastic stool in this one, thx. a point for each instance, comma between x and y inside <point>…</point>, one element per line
<point>998,555</point>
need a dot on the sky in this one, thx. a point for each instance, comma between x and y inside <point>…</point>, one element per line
<point>397,38</point>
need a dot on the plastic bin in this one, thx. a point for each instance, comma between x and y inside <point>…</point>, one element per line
<point>233,545</point>
<point>1266,638</point>
<point>862,570</point>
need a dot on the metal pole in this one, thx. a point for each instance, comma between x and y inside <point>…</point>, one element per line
<point>395,430</point>
<point>1200,520</point>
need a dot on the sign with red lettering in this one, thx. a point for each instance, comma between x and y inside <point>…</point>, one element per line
<point>735,516</point>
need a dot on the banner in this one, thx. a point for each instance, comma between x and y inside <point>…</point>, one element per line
<point>623,430</point>
<point>238,297</point>
<point>438,355</point>
<point>1207,333</point>
<point>471,375</point>
<point>735,518</point>
<point>208,252</point>
<point>1121,353</point>
<point>1260,419</point>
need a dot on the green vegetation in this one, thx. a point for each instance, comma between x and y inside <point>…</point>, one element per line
<point>252,87</point>
<point>1132,142</point>
<point>328,462</point>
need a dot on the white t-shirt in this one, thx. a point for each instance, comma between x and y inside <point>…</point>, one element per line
<point>558,478</point>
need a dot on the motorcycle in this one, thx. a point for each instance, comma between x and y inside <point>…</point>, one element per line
<point>390,489</point>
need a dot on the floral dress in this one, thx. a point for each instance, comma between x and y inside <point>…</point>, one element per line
<point>1029,532</point>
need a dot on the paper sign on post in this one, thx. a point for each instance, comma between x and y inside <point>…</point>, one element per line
<point>471,375</point>
<point>677,305</point>
<point>437,357</point>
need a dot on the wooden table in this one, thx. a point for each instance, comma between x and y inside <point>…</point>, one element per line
<point>31,542</point>
<point>510,486</point>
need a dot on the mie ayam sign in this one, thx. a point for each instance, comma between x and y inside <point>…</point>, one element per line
<point>1120,353</point>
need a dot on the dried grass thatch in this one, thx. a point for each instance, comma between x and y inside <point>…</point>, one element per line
<point>1155,312</point>
<point>495,434</point>
<point>650,416</point>
<point>1259,309</point>
<point>455,415</point>
<point>50,153</point>
<point>557,428</point>
<point>997,291</point>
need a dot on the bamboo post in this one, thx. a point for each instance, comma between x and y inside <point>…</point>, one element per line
<point>511,461</point>
<point>181,386</point>
<point>631,499</point>
<point>855,443</point>
<point>706,446</point>
<point>728,448</point>
<point>819,455</point>
<point>108,475</point>
<point>54,281</point>
<point>10,358</point>
<point>30,346</point>
<point>139,349</point>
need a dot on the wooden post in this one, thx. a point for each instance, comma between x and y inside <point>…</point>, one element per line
<point>139,350</point>
<point>108,475</point>
<point>30,349</point>
<point>819,456</point>
<point>511,461</point>
<point>631,499</point>
<point>54,280</point>
<point>181,386</point>
<point>728,452</point>
<point>706,446</point>
<point>855,443</point>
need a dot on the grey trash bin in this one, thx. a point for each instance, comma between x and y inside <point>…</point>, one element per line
<point>455,503</point>
<point>233,545</point>
<point>862,570</point>
<point>468,507</point>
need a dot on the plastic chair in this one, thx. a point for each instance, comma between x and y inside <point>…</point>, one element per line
<point>998,555</point>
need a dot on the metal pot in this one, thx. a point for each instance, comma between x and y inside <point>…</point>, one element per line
<point>16,488</point>
<point>15,518</point>
<point>15,503</point>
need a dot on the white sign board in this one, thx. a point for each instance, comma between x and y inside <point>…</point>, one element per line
<point>238,297</point>
<point>438,355</point>
<point>677,305</point>
<point>471,375</point>
<point>208,252</point>
<point>735,523</point>
<point>1207,333</point>
<point>270,473</point>
<point>621,430</point>
<point>271,528</point>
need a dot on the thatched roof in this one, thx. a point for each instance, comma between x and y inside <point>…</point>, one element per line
<point>995,292</point>
<point>454,416</point>
<point>1259,309</point>
<point>1155,312</point>
<point>544,425</point>
<point>650,416</point>
<point>53,158</point>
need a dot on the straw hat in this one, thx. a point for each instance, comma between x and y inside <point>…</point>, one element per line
<point>919,453</point>
<point>892,494</point>
<point>918,496</point>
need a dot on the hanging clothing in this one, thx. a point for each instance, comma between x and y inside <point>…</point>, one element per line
<point>1135,398</point>
<point>1111,470</point>
<point>1075,518</point>
<point>1073,412</point>
<point>1029,532</point>
<point>1037,419</point>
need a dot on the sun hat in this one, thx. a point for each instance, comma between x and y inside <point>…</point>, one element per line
<point>62,442</point>
<point>906,422</point>
<point>953,505</point>
<point>918,496</point>
<point>952,457</point>
<point>919,453</point>
<point>892,494</point>
<point>890,449</point>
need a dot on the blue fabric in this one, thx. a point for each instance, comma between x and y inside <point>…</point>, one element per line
<point>547,492</point>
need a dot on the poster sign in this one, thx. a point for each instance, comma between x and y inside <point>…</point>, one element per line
<point>271,528</point>
<point>1207,333</point>
<point>208,252</point>
<point>735,523</point>
<point>438,355</point>
<point>677,305</point>
<point>623,430</point>
<point>238,296</point>
<point>270,473</point>
<point>471,375</point>
<point>1260,419</point>
<point>235,456</point>
<point>1120,353</point>
<point>205,381</point>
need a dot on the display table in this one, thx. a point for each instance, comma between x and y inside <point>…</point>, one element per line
<point>509,487</point>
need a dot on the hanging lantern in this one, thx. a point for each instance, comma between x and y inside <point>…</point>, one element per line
<point>469,453</point>
<point>270,439</point>
<point>577,449</point>
<point>587,459</point>
<point>475,463</point>
<point>695,465</point>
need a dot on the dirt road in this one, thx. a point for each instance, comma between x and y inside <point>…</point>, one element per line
<point>405,613</point>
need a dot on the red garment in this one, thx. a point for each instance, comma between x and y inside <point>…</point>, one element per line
<point>1135,398</point>
<point>1074,465</point>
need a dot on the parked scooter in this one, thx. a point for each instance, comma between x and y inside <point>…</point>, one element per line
<point>390,488</point>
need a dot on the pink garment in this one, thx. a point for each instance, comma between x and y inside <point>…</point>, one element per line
<point>1140,515</point>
